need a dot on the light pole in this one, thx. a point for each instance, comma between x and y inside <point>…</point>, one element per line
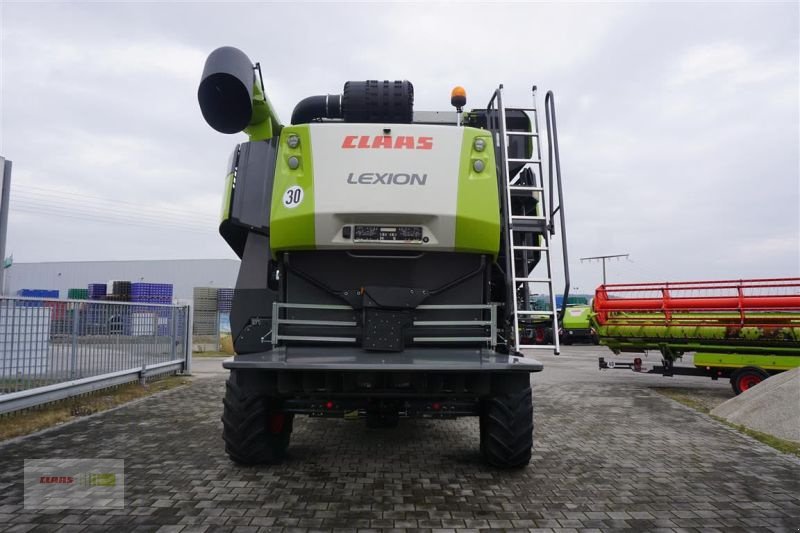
<point>603,259</point>
<point>5,193</point>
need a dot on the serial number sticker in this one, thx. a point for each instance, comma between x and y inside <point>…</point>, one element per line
<point>293,197</point>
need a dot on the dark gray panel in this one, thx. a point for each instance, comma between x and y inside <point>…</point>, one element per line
<point>412,359</point>
<point>252,195</point>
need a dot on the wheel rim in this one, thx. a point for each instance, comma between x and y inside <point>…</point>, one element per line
<point>748,381</point>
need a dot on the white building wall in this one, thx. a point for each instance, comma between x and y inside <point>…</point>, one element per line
<point>184,274</point>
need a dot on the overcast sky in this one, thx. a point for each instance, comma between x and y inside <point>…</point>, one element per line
<point>679,123</point>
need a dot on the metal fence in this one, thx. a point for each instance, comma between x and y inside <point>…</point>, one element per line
<point>53,349</point>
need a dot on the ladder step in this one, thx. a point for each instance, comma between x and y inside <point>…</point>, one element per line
<point>525,188</point>
<point>532,280</point>
<point>516,160</point>
<point>527,217</point>
<point>529,225</point>
<point>521,134</point>
<point>531,248</point>
<point>542,313</point>
<point>537,346</point>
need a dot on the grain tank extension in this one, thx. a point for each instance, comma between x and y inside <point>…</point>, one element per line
<point>388,256</point>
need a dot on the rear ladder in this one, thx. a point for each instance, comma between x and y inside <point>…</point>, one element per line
<point>529,210</point>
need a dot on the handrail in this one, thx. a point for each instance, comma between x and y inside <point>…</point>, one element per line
<point>554,157</point>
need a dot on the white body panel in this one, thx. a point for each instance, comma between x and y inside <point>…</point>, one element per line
<point>385,186</point>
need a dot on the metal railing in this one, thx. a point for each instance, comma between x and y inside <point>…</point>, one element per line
<point>54,349</point>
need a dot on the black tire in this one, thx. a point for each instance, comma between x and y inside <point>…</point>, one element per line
<point>255,430</point>
<point>747,377</point>
<point>506,428</point>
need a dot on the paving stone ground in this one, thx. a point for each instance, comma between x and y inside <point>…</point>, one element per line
<point>610,454</point>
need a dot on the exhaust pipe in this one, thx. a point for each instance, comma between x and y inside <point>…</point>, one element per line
<point>361,101</point>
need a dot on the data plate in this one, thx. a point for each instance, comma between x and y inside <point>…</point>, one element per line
<point>387,233</point>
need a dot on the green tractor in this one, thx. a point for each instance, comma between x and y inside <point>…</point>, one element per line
<point>384,254</point>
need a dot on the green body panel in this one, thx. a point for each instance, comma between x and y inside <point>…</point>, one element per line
<point>264,121</point>
<point>577,317</point>
<point>293,228</point>
<point>478,207</point>
<point>225,211</point>
<point>733,360</point>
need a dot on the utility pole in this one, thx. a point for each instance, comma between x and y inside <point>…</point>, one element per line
<point>603,259</point>
<point>5,193</point>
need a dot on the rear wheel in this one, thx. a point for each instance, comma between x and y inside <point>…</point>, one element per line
<point>255,428</point>
<point>506,429</point>
<point>747,378</point>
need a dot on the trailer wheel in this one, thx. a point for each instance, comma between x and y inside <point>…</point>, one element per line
<point>506,429</point>
<point>255,429</point>
<point>747,378</point>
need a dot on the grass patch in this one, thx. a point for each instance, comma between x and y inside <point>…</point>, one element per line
<point>785,446</point>
<point>32,420</point>
<point>700,402</point>
<point>210,354</point>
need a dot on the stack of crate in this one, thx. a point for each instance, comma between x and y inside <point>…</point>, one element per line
<point>97,291</point>
<point>224,300</point>
<point>78,294</point>
<point>148,320</point>
<point>205,311</point>
<point>152,293</point>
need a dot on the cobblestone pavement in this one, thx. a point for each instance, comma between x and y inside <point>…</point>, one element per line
<point>610,453</point>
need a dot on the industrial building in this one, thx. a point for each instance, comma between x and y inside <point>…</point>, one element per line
<point>183,274</point>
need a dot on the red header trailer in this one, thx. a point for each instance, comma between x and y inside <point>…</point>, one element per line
<point>752,303</point>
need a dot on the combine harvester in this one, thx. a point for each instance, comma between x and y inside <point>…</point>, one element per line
<point>745,330</point>
<point>388,256</point>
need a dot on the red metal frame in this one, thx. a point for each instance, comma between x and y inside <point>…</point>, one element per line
<point>738,303</point>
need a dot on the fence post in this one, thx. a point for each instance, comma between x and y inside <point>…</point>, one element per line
<point>187,346</point>
<point>73,363</point>
<point>173,322</point>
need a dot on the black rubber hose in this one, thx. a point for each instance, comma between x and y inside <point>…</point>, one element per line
<point>316,107</point>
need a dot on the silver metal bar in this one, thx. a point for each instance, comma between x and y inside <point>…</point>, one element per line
<point>522,160</point>
<point>275,317</point>
<point>452,339</point>
<point>316,322</point>
<point>315,339</point>
<point>532,248</point>
<point>49,393</point>
<point>312,306</point>
<point>451,323</point>
<point>457,306</point>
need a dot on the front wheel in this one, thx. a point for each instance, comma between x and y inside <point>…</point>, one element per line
<point>506,429</point>
<point>747,378</point>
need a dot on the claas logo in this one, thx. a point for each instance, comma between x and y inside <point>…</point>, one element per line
<point>401,142</point>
